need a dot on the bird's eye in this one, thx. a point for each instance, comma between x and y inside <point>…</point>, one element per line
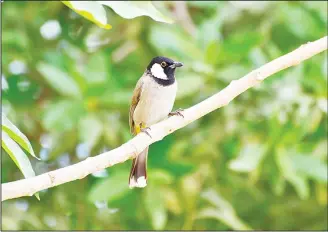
<point>163,64</point>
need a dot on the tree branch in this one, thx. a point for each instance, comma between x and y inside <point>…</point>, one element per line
<point>27,187</point>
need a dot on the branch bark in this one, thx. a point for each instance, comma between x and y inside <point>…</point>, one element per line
<point>27,187</point>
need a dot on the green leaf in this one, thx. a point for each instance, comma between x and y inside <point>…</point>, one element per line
<point>204,4</point>
<point>301,23</point>
<point>216,199</point>
<point>310,166</point>
<point>17,135</point>
<point>90,10</point>
<point>59,80</point>
<point>179,45</point>
<point>322,105</point>
<point>132,9</point>
<point>222,211</point>
<point>249,158</point>
<point>172,202</point>
<point>238,45</point>
<point>62,115</point>
<point>279,186</point>
<point>258,57</point>
<point>206,34</point>
<point>96,69</point>
<point>112,128</point>
<point>110,189</point>
<point>16,38</point>
<point>285,164</point>
<point>211,52</point>
<point>189,84</point>
<point>17,155</point>
<point>90,129</point>
<point>37,195</point>
<point>155,206</point>
<point>230,220</point>
<point>231,72</point>
<point>160,176</point>
<point>110,98</point>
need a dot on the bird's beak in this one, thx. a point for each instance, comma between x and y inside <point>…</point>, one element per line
<point>176,65</point>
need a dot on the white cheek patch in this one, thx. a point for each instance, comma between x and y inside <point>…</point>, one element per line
<point>158,71</point>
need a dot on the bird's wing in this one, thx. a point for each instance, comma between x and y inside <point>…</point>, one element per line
<point>135,99</point>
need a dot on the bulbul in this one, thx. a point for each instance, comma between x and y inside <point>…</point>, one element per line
<point>152,101</point>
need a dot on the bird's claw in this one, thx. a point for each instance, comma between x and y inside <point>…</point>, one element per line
<point>145,130</point>
<point>177,112</point>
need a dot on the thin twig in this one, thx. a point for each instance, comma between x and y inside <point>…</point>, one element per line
<point>27,187</point>
<point>183,16</point>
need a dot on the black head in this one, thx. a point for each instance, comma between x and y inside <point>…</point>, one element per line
<point>162,69</point>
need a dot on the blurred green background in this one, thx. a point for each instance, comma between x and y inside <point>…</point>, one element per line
<point>258,163</point>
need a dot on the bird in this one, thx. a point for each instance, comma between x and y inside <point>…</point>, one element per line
<point>152,101</point>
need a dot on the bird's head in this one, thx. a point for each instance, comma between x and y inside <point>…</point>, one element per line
<point>163,68</point>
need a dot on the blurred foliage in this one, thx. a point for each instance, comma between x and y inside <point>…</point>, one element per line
<point>95,12</point>
<point>11,138</point>
<point>258,163</point>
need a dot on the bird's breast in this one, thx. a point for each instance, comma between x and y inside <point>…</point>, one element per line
<point>155,103</point>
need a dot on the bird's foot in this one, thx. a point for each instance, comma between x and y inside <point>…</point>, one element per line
<point>177,112</point>
<point>145,130</point>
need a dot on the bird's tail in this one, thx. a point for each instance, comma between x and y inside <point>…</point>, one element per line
<point>138,173</point>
